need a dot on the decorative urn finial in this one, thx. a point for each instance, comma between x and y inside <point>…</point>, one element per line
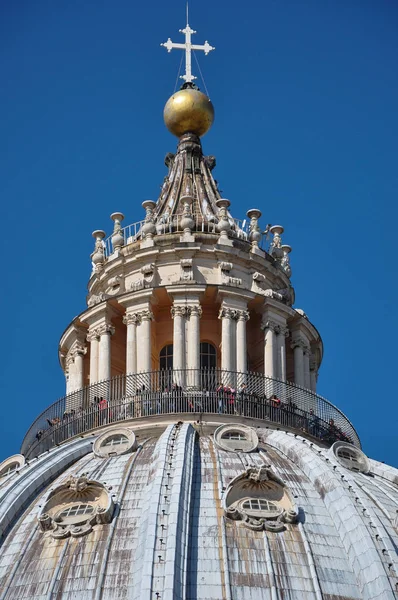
<point>117,236</point>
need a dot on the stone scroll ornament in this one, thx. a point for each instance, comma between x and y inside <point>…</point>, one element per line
<point>76,491</point>
<point>254,483</point>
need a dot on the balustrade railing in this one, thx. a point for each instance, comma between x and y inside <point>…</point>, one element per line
<point>172,224</point>
<point>188,391</point>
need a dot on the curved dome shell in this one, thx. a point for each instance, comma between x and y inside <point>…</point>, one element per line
<point>170,535</point>
<point>188,111</point>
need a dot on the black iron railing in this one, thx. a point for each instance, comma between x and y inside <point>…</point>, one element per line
<point>188,391</point>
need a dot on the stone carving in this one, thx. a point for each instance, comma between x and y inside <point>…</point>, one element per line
<point>77,349</point>
<point>299,342</point>
<point>226,279</point>
<point>98,256</point>
<point>269,324</point>
<point>180,311</point>
<point>195,309</point>
<point>169,160</point>
<point>117,235</point>
<point>233,313</point>
<point>187,222</point>
<point>149,228</point>
<point>210,162</point>
<point>146,315</point>
<point>96,299</point>
<point>260,279</point>
<point>92,335</point>
<point>254,230</point>
<point>105,328</point>
<point>147,281</point>
<point>186,273</point>
<point>285,261</point>
<point>259,484</point>
<point>223,225</point>
<point>130,318</point>
<point>275,248</point>
<point>74,507</point>
<point>115,285</point>
<point>280,251</point>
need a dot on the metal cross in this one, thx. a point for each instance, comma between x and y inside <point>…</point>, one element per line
<point>188,46</point>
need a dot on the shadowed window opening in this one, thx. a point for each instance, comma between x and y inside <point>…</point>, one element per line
<point>166,357</point>
<point>208,356</point>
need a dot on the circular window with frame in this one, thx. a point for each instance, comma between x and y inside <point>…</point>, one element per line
<point>350,457</point>
<point>11,465</point>
<point>236,438</point>
<point>74,514</point>
<point>114,442</point>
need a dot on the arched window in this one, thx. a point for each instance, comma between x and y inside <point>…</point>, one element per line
<point>166,357</point>
<point>208,356</point>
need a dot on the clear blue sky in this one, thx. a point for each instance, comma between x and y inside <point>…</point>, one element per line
<point>306,97</point>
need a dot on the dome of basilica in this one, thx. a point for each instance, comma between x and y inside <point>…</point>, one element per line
<point>191,457</point>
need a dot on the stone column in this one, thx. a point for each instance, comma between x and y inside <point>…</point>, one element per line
<point>193,346</point>
<point>271,329</point>
<point>70,366</point>
<point>313,373</point>
<point>104,360</point>
<point>281,342</point>
<point>144,341</point>
<point>298,345</point>
<point>93,339</point>
<point>178,315</point>
<point>80,351</point>
<point>228,326</point>
<point>306,360</point>
<point>131,321</point>
<point>241,345</point>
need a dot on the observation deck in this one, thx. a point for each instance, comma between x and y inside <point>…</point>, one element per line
<point>189,394</point>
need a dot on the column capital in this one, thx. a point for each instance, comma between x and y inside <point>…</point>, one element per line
<point>228,313</point>
<point>284,331</point>
<point>105,328</point>
<point>180,311</point>
<point>243,315</point>
<point>131,318</point>
<point>299,342</point>
<point>93,334</point>
<point>145,315</point>
<point>195,309</point>
<point>270,324</point>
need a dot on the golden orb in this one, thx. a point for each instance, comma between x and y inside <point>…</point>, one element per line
<point>188,111</point>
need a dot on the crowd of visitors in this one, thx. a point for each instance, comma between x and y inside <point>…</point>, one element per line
<point>175,398</point>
